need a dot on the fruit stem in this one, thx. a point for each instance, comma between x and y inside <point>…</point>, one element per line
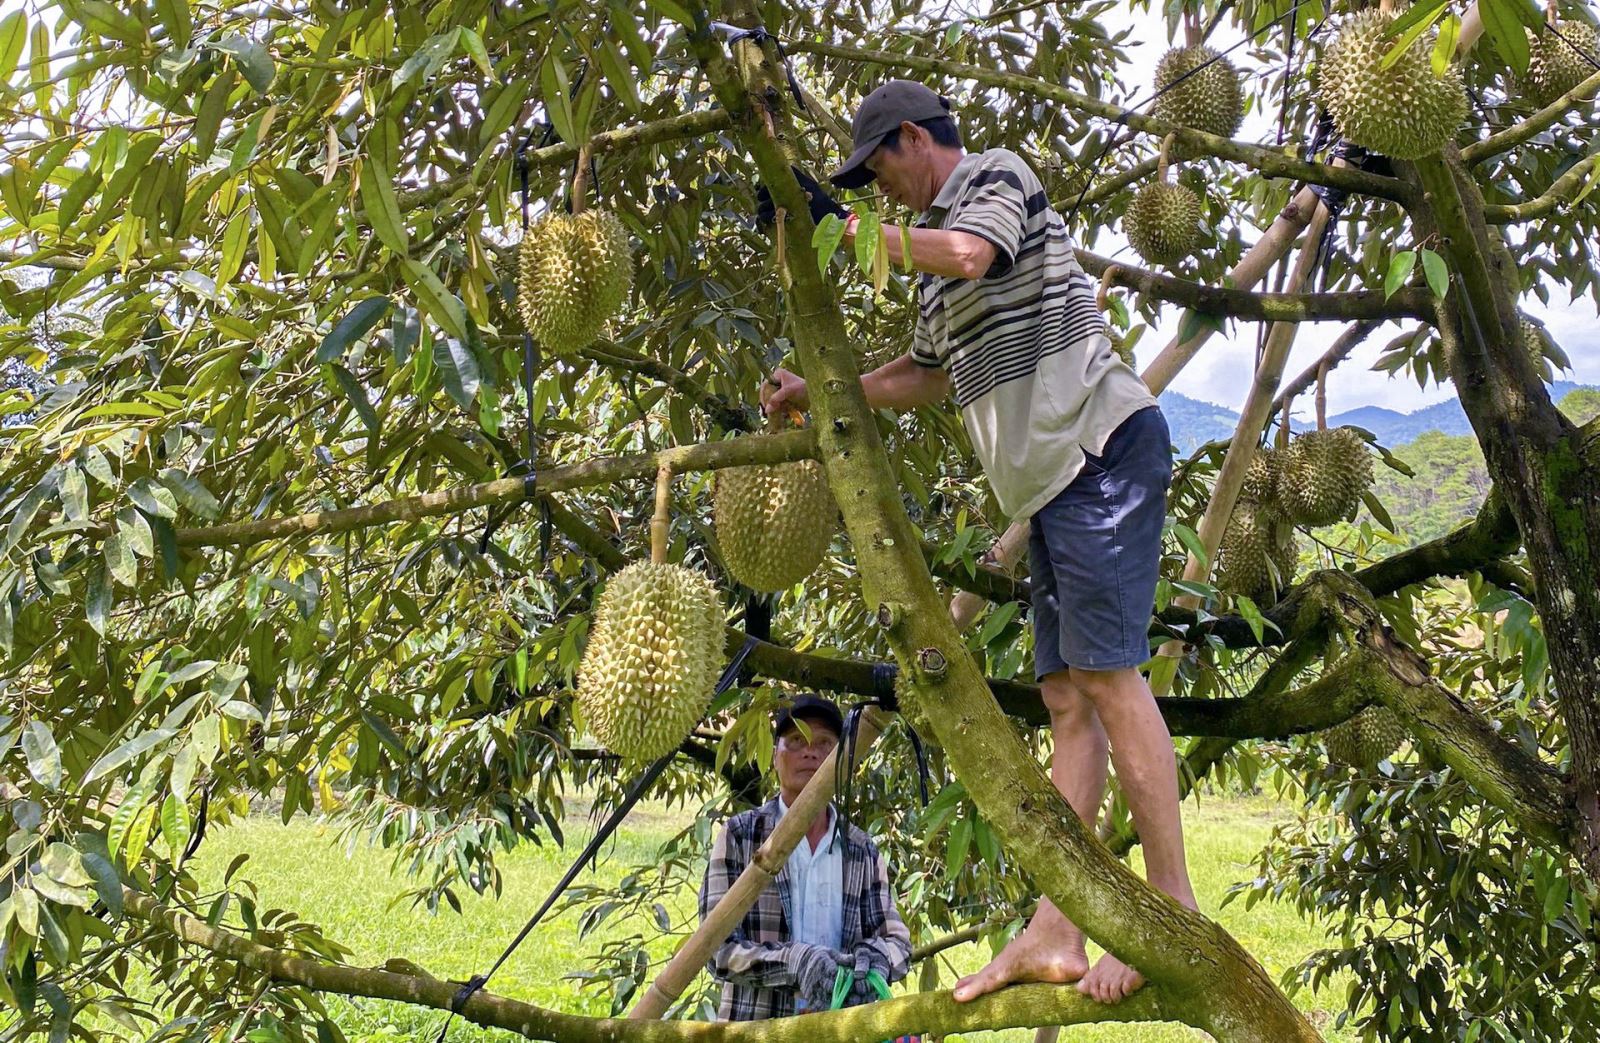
<point>580,181</point>
<point>1166,153</point>
<point>1283,425</point>
<point>661,523</point>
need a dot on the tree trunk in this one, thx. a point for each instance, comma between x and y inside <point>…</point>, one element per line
<point>1533,455</point>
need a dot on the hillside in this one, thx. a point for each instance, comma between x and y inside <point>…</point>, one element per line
<point>1194,422</point>
<point>1435,442</point>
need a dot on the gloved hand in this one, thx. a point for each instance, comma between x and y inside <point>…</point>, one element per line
<point>865,959</point>
<point>814,970</point>
<point>822,204</point>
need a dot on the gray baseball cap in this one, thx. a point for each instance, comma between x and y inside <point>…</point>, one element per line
<point>880,114</point>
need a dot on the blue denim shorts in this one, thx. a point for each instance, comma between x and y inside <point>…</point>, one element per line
<point>1095,553</point>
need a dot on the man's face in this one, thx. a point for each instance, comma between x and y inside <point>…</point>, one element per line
<point>906,174</point>
<point>800,751</point>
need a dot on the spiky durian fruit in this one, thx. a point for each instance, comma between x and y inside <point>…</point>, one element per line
<point>652,660</point>
<point>1366,738</point>
<point>774,522</point>
<point>574,272</point>
<point>1258,556</point>
<point>1211,100</point>
<point>1261,480</point>
<point>1163,222</point>
<point>1323,476</point>
<point>1555,65</point>
<point>1405,111</point>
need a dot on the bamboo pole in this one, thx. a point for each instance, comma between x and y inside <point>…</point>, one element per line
<point>1242,450</point>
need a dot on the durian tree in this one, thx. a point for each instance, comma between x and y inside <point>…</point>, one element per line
<point>293,510</point>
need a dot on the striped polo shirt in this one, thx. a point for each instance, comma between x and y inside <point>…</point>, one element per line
<point>1026,350</point>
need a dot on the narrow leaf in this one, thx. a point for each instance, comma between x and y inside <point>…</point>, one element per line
<point>1399,271</point>
<point>357,396</point>
<point>1437,274</point>
<point>43,756</point>
<point>357,322</point>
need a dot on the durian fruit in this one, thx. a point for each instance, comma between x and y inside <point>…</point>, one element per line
<point>1405,111</point>
<point>574,272</point>
<point>1211,100</point>
<point>1261,480</point>
<point>1555,66</point>
<point>1323,476</point>
<point>1366,738</point>
<point>1258,556</point>
<point>774,522</point>
<point>1163,222</point>
<point>652,660</point>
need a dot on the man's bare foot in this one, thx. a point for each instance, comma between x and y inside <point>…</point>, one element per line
<point>1052,955</point>
<point>1111,980</point>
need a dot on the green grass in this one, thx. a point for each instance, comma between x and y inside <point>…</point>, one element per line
<point>302,868</point>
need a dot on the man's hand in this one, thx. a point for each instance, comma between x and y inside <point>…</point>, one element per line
<point>822,204</point>
<point>815,969</point>
<point>782,392</point>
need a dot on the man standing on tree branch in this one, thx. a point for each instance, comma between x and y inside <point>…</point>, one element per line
<point>1069,435</point>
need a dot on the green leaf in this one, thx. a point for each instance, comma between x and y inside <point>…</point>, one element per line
<point>438,303</point>
<point>357,323</point>
<point>1444,45</point>
<point>106,882</point>
<point>190,492</point>
<point>43,756</point>
<point>385,734</point>
<point>1408,28</point>
<point>674,11</point>
<point>617,72</point>
<point>63,865</point>
<point>1399,271</point>
<point>119,560</point>
<point>25,909</point>
<point>472,43</point>
<point>458,369</point>
<point>190,671</point>
<point>555,92</point>
<point>1437,274</point>
<point>382,208</point>
<point>867,233</point>
<point>826,239</point>
<point>176,19</point>
<point>1504,25</point>
<point>205,738</point>
<point>153,499</point>
<point>404,330</point>
<point>208,118</point>
<point>1376,508</point>
<point>13,34</point>
<point>134,528</point>
<point>98,598</point>
<point>23,516</point>
<point>127,752</point>
<point>254,62</point>
<point>1191,540</point>
<point>122,820</point>
<point>357,395</point>
<point>175,826</point>
<point>959,843</point>
<point>74,494</point>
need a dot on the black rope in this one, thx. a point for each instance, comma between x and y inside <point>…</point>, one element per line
<point>1585,55</point>
<point>883,692</point>
<point>636,790</point>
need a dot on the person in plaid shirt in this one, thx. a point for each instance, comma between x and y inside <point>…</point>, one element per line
<point>831,905</point>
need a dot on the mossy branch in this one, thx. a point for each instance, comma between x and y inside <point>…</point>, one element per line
<point>1410,302</point>
<point>929,1013</point>
<point>1561,189</point>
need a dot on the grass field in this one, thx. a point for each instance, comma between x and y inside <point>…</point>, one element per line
<point>300,867</point>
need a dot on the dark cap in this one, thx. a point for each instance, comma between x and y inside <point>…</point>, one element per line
<point>880,114</point>
<point>809,708</point>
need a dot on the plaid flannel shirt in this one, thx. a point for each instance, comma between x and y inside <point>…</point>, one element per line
<point>755,963</point>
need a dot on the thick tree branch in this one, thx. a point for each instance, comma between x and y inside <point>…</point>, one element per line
<point>705,456</point>
<point>1267,161</point>
<point>1410,302</point>
<point>1517,133</point>
<point>930,1012</point>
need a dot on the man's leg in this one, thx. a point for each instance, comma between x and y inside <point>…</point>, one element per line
<point>1051,947</point>
<point>1141,749</point>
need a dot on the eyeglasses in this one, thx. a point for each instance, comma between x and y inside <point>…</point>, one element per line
<point>795,743</point>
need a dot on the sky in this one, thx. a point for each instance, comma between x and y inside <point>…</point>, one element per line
<point>1221,372</point>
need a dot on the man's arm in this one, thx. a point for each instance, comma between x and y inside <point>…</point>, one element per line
<point>764,965</point>
<point>955,254</point>
<point>900,385</point>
